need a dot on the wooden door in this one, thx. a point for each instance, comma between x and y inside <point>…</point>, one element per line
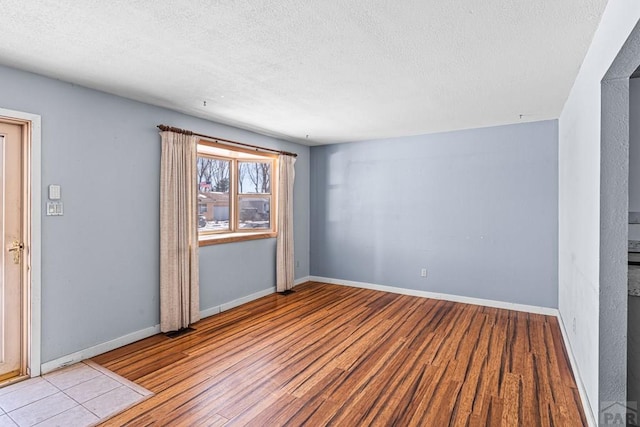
<point>13,260</point>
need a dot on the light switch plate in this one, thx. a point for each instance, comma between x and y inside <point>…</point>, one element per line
<point>54,192</point>
<point>55,209</point>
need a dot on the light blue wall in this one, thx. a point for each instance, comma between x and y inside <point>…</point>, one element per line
<point>100,261</point>
<point>477,208</point>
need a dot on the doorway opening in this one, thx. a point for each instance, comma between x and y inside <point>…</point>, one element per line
<point>613,340</point>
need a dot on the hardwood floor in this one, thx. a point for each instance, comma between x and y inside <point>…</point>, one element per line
<point>334,355</point>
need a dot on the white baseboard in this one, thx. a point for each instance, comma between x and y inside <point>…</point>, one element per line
<point>434,295</point>
<point>591,420</point>
<point>209,311</point>
<point>301,280</point>
<point>254,296</point>
<point>586,406</point>
<point>236,302</point>
<point>145,333</point>
<point>98,349</point>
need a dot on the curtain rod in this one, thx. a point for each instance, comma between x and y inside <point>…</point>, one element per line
<point>228,141</point>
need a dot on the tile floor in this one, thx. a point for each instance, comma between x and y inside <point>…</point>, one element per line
<point>79,395</point>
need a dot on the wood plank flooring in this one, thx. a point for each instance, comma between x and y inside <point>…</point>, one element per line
<point>334,355</point>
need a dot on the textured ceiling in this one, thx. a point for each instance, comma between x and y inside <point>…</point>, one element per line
<point>333,70</point>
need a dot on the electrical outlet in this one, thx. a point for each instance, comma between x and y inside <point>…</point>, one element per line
<point>574,325</point>
<point>423,272</point>
<point>297,264</point>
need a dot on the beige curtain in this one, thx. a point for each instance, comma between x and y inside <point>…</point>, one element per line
<point>179,289</point>
<point>284,244</point>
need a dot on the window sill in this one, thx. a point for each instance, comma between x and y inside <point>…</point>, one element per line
<point>216,239</point>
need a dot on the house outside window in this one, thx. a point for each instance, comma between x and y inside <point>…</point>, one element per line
<point>236,199</point>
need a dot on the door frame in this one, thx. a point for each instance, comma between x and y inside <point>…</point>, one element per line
<point>32,125</point>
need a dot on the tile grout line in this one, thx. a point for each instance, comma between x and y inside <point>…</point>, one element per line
<point>35,401</point>
<point>27,404</point>
<point>101,373</point>
<point>82,404</point>
<point>122,383</point>
<point>120,379</point>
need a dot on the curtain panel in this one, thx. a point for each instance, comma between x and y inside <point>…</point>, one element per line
<point>179,288</point>
<point>285,260</point>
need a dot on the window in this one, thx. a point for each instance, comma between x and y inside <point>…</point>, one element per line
<point>235,194</point>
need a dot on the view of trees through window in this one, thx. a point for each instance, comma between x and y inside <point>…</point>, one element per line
<point>214,172</point>
<point>214,177</point>
<point>254,177</point>
<point>216,196</point>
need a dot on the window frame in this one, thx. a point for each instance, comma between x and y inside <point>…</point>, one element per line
<point>236,155</point>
